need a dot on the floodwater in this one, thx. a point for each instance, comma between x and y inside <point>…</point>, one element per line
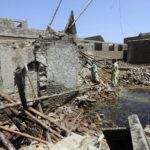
<point>116,112</point>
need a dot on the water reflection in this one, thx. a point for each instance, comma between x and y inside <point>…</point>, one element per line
<point>136,101</point>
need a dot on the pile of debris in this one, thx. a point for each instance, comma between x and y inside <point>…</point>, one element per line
<point>136,76</point>
<point>27,125</point>
<point>29,121</point>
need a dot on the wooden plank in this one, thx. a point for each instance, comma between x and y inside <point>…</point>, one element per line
<point>139,139</point>
<point>24,134</point>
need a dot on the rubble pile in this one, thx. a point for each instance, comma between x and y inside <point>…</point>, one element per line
<point>61,123</point>
<point>39,127</point>
<point>140,76</point>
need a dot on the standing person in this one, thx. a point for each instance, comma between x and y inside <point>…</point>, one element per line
<point>94,73</point>
<point>115,73</point>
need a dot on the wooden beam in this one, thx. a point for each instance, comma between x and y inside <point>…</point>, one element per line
<point>39,105</point>
<point>47,118</point>
<point>55,13</point>
<point>29,79</point>
<point>44,97</point>
<point>44,125</point>
<point>81,13</point>
<point>24,134</point>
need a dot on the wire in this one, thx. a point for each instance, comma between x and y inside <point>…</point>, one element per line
<point>120,15</point>
<point>112,5</point>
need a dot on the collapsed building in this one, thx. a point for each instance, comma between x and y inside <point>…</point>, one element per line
<point>138,48</point>
<point>51,57</point>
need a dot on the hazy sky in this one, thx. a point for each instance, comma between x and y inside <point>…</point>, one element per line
<point>108,18</point>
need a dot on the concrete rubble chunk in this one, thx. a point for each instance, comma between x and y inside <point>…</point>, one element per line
<point>138,137</point>
<point>75,142</point>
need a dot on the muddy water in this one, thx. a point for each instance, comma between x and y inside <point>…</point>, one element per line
<point>116,112</point>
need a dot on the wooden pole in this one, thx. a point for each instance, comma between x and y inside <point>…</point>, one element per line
<point>32,117</point>
<point>55,13</point>
<point>81,13</point>
<point>47,118</point>
<point>43,125</point>
<point>45,97</point>
<point>89,57</point>
<point>27,71</point>
<point>24,134</point>
<point>20,85</point>
<point>39,105</point>
<point>7,97</point>
<point>6,142</point>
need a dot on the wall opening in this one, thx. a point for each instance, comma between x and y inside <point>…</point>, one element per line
<point>17,24</point>
<point>80,46</point>
<point>98,46</point>
<point>120,47</point>
<point>111,47</point>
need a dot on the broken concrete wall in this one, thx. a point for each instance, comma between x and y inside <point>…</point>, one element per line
<point>53,64</point>
<point>17,28</point>
<point>12,55</point>
<point>62,65</point>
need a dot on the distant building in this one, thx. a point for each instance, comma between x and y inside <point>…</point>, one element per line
<point>97,46</point>
<point>138,48</point>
